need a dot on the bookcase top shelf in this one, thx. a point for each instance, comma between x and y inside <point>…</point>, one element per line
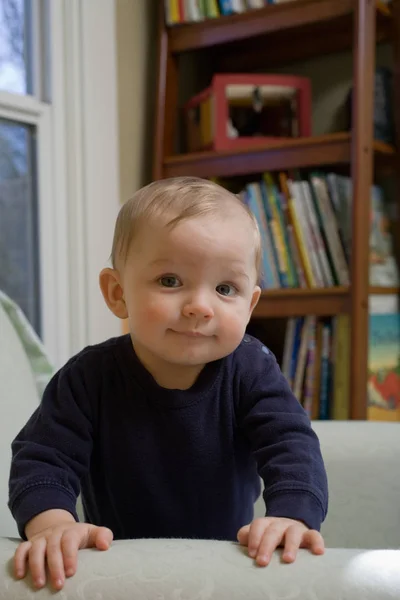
<point>311,151</point>
<point>301,302</point>
<point>279,18</point>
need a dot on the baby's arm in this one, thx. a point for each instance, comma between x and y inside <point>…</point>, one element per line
<point>288,458</point>
<point>50,456</point>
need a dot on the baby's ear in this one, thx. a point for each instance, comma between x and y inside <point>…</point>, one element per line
<point>254,299</point>
<point>111,288</point>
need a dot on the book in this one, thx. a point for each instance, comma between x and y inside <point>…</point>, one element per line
<point>383,268</point>
<point>275,203</point>
<point>329,229</point>
<point>305,225</point>
<point>384,359</point>
<point>211,9</point>
<point>319,245</point>
<point>193,11</point>
<point>277,250</point>
<point>306,337</point>
<point>311,367</point>
<point>326,372</point>
<point>229,7</point>
<point>255,3</point>
<point>253,199</point>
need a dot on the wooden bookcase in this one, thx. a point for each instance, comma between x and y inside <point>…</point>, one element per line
<point>286,33</point>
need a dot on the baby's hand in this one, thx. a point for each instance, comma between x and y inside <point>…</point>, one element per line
<point>264,535</point>
<point>58,547</point>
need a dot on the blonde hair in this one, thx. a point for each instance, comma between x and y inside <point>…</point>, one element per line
<point>174,200</point>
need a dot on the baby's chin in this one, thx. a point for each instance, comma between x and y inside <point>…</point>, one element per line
<point>197,359</point>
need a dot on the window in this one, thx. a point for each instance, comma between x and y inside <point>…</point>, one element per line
<point>22,115</point>
<point>58,165</point>
<point>15,47</point>
<point>19,241</point>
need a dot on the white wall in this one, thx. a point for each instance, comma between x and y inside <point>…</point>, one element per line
<point>136,22</point>
<point>136,26</point>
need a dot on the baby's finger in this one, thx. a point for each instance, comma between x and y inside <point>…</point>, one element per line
<point>70,543</point>
<point>55,560</point>
<point>37,557</point>
<point>104,537</point>
<point>92,535</point>
<point>293,539</point>
<point>20,559</point>
<point>314,541</point>
<point>271,539</point>
<point>243,535</point>
<point>257,529</point>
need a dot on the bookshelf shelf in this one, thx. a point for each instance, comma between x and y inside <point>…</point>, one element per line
<point>299,302</point>
<point>318,301</point>
<point>295,153</point>
<point>386,291</point>
<point>280,18</point>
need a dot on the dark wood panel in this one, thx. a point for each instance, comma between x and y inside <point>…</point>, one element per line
<point>396,100</point>
<point>280,17</point>
<point>362,175</point>
<point>288,46</point>
<point>384,291</point>
<point>296,153</point>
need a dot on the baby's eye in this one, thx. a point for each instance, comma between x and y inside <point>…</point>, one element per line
<point>225,289</point>
<point>169,281</point>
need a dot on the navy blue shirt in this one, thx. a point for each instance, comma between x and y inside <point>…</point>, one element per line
<point>154,462</point>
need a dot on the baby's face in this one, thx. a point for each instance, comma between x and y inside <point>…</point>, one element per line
<point>190,290</point>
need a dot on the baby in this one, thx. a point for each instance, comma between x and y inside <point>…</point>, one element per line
<point>166,431</point>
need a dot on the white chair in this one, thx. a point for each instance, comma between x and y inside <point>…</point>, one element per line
<point>362,531</point>
<point>19,398</point>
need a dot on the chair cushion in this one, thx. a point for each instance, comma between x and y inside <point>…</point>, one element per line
<point>197,569</point>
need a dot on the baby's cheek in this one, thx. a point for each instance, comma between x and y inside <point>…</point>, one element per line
<point>232,323</point>
<point>239,319</point>
<point>155,311</point>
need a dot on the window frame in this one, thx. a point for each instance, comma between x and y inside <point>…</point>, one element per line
<point>77,166</point>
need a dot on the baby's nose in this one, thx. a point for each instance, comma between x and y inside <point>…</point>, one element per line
<point>198,308</point>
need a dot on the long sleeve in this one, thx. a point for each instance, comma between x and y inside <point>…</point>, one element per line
<point>52,452</point>
<point>286,449</point>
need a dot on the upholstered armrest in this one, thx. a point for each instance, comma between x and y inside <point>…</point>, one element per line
<point>175,569</point>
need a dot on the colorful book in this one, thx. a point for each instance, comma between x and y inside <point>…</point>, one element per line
<point>329,227</point>
<point>279,211</point>
<point>211,9</point>
<point>325,269</point>
<point>278,250</point>
<point>193,11</point>
<point>384,359</point>
<point>383,268</point>
<point>269,275</point>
